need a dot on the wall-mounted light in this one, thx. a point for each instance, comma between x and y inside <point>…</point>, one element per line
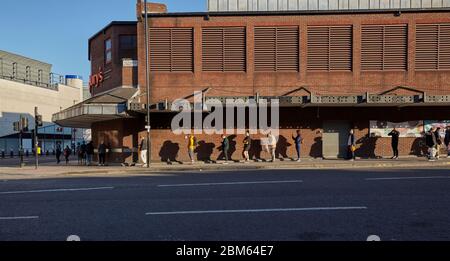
<point>398,13</point>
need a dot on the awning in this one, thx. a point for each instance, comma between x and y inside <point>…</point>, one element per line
<point>106,106</point>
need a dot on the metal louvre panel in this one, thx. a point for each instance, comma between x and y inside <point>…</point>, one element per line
<point>341,48</point>
<point>330,48</point>
<point>444,47</point>
<point>224,49</point>
<point>395,47</point>
<point>276,49</point>
<point>171,49</point>
<point>265,49</point>
<point>287,49</point>
<point>427,47</point>
<point>372,48</point>
<point>318,48</point>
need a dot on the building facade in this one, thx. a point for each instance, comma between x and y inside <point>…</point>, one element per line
<point>25,84</point>
<point>332,71</point>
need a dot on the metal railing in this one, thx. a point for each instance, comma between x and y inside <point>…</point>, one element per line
<point>43,80</point>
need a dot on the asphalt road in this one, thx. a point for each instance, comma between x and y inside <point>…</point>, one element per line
<point>247,205</point>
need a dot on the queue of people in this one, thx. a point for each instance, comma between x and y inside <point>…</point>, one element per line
<point>84,153</point>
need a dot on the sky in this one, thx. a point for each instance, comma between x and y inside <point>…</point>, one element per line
<point>57,31</point>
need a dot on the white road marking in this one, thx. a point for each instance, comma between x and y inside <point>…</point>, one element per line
<point>231,183</point>
<point>18,218</point>
<point>55,190</point>
<point>408,178</point>
<point>253,211</point>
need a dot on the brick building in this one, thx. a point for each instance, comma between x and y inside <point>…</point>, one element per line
<point>332,70</point>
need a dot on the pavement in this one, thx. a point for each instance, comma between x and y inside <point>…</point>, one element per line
<point>49,169</point>
<point>403,204</point>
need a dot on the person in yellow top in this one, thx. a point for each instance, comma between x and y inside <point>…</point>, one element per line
<point>192,144</point>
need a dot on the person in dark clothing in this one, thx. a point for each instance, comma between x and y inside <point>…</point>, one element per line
<point>298,144</point>
<point>58,153</point>
<point>247,146</point>
<point>447,140</point>
<point>395,134</point>
<point>225,147</point>
<point>83,153</point>
<point>102,154</point>
<point>430,141</point>
<point>437,134</point>
<point>67,152</point>
<point>351,145</point>
<point>89,152</point>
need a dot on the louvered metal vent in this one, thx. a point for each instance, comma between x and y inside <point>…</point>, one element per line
<point>276,49</point>
<point>433,47</point>
<point>384,48</point>
<point>224,49</point>
<point>171,49</point>
<point>330,48</point>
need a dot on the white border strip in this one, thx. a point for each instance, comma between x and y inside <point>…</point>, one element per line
<point>253,211</point>
<point>231,183</point>
<point>18,218</point>
<point>54,190</point>
<point>408,178</point>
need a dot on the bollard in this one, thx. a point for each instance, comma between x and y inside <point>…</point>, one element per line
<point>11,154</point>
<point>27,153</point>
<point>3,154</point>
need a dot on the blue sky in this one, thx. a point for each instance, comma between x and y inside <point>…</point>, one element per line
<point>57,31</point>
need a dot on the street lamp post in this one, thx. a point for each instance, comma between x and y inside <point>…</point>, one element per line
<point>147,83</point>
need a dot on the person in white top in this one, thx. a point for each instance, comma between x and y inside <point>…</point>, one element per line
<point>272,140</point>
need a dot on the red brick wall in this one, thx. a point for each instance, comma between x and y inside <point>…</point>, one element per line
<point>250,82</point>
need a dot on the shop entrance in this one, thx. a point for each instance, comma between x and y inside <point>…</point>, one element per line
<point>335,135</point>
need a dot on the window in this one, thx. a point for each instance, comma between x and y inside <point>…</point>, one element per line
<point>277,49</point>
<point>433,47</point>
<point>171,50</point>
<point>330,48</point>
<point>384,48</point>
<point>224,49</point>
<point>127,42</point>
<point>14,72</point>
<point>28,73</point>
<point>108,51</point>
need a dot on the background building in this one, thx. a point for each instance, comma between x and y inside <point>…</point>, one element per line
<point>26,83</point>
<point>359,69</point>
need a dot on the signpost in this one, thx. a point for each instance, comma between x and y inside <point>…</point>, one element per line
<point>37,123</point>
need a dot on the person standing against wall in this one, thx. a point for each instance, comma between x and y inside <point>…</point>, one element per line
<point>437,134</point>
<point>225,147</point>
<point>395,134</point>
<point>143,147</point>
<point>247,146</point>
<point>89,152</point>
<point>447,140</point>
<point>430,141</point>
<point>351,145</point>
<point>192,144</point>
<point>272,145</point>
<point>298,144</point>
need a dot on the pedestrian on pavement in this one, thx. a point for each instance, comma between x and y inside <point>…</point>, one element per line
<point>143,147</point>
<point>272,141</point>
<point>67,152</point>
<point>225,147</point>
<point>78,153</point>
<point>437,134</point>
<point>447,140</point>
<point>58,153</point>
<point>351,145</point>
<point>395,134</point>
<point>83,153</point>
<point>430,141</point>
<point>102,154</point>
<point>192,144</point>
<point>247,146</point>
<point>298,144</point>
<point>89,153</point>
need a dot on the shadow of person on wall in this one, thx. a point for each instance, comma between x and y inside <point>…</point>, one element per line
<point>282,147</point>
<point>169,152</point>
<point>255,150</point>
<point>204,151</point>
<point>367,148</point>
<point>418,148</point>
<point>316,148</point>
<point>231,149</point>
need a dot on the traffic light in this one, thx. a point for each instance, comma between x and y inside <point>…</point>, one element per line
<point>38,120</point>
<point>16,126</point>
<point>23,124</point>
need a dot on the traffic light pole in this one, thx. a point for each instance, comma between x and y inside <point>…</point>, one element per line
<point>21,148</point>
<point>36,142</point>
